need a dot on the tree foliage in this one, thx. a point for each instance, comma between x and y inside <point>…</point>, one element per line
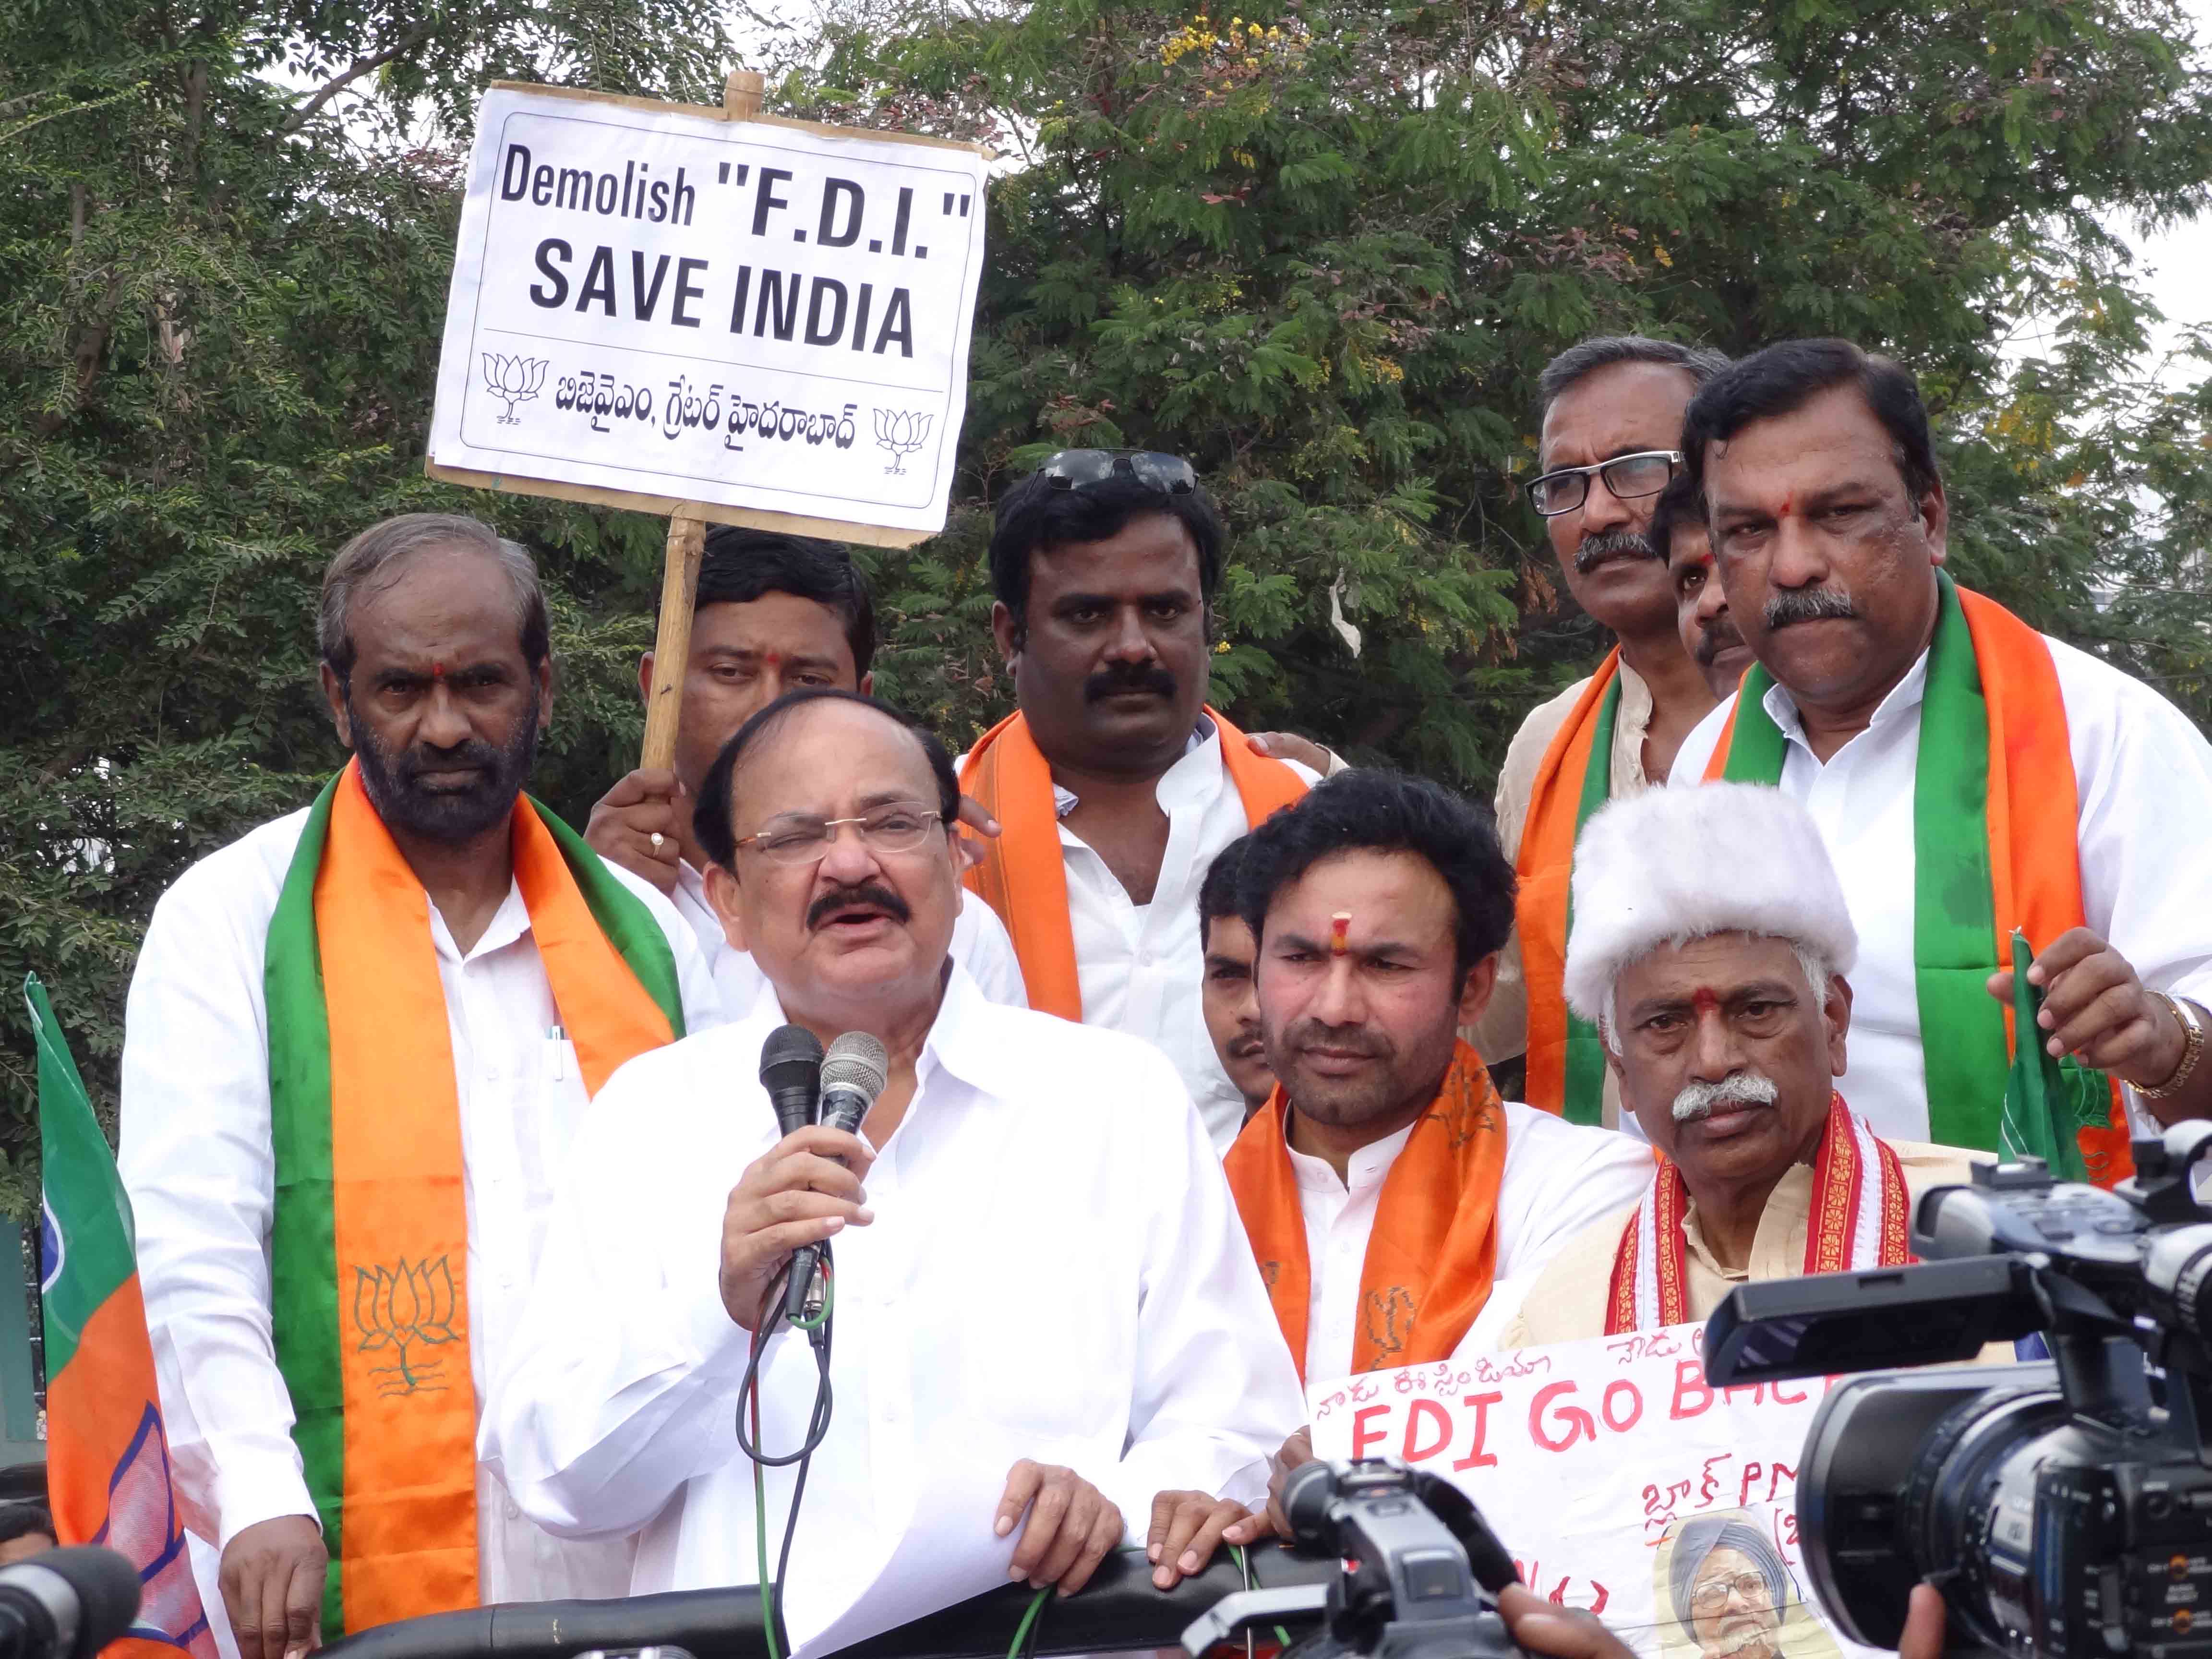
<point>1322,246</point>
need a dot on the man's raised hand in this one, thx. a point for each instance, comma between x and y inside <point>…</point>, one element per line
<point>625,820</point>
<point>2095,1009</point>
<point>272,1578</point>
<point>1187,1526</point>
<point>796,1194</point>
<point>1071,1527</point>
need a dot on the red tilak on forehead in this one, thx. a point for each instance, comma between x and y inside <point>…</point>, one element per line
<point>1704,1002</point>
<point>437,671</point>
<point>1340,933</point>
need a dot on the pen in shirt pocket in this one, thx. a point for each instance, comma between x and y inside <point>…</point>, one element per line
<point>558,1037</point>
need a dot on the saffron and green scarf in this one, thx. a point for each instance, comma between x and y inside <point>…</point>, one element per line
<point>1996,847</point>
<point>369,1246</point>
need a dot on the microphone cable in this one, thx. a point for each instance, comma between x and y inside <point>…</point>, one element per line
<point>819,1331</point>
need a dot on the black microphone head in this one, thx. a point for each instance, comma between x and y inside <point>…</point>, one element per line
<point>89,1594</point>
<point>852,1075</point>
<point>790,1072</point>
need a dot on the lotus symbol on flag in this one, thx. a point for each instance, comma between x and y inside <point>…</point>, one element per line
<point>514,381</point>
<point>404,1310</point>
<point>901,434</point>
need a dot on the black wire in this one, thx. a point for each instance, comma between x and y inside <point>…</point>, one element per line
<point>820,1338</point>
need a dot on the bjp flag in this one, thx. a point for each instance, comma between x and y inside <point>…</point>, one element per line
<point>107,1455</point>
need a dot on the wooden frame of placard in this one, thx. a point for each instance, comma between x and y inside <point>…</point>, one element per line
<point>688,521</point>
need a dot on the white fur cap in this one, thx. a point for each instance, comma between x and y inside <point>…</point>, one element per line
<point>1671,866</point>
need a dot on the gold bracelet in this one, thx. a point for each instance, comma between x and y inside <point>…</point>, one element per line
<point>2192,1031</point>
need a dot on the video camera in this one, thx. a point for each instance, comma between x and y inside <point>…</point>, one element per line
<point>2063,1509</point>
<point>1421,1569</point>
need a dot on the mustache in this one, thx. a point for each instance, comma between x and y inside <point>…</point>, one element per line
<point>845,898</point>
<point>1804,605</point>
<point>1352,1039</point>
<point>1148,677</point>
<point>1244,1047</point>
<point>1716,637</point>
<point>1605,545</point>
<point>475,754</point>
<point>1697,1100</point>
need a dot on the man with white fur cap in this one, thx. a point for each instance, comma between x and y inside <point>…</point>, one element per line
<point>1710,947</point>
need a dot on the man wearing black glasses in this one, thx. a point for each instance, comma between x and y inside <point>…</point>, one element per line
<point>1610,440</point>
<point>1115,783</point>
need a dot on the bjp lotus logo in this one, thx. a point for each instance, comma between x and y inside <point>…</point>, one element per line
<point>901,434</point>
<point>512,381</point>
<point>403,1311</point>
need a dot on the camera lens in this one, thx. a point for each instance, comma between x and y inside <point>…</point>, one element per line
<point>2179,1270</point>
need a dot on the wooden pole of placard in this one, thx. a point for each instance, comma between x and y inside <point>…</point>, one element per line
<point>687,539</point>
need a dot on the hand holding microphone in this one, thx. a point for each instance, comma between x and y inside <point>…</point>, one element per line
<point>806,1188</point>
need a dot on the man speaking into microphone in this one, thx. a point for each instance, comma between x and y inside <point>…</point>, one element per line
<point>1037,1262</point>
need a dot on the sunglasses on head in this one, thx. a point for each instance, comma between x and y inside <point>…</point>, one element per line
<point>1084,469</point>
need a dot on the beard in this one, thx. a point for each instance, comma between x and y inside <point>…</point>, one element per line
<point>1400,1077</point>
<point>450,816</point>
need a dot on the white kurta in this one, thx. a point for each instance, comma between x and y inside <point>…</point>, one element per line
<point>2144,778</point>
<point>1560,1177</point>
<point>1141,968</point>
<point>196,1158</point>
<point>980,943</point>
<point>1056,1269</point>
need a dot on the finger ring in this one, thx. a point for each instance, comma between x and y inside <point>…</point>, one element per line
<point>657,839</point>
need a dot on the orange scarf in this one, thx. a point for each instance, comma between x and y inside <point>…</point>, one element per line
<point>1434,1249</point>
<point>1023,875</point>
<point>1566,1065</point>
<point>393,1216</point>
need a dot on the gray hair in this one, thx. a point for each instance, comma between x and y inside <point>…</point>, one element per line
<point>1816,967</point>
<point>362,564</point>
<point>1587,356</point>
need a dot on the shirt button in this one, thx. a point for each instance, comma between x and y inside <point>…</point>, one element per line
<point>514,1511</point>
<point>891,1410</point>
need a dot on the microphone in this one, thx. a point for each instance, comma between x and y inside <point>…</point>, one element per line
<point>66,1604</point>
<point>790,1072</point>
<point>852,1075</point>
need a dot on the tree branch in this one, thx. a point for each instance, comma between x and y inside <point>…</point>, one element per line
<point>362,66</point>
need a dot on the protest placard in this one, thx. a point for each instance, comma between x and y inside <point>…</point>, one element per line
<point>1619,1480</point>
<point>671,306</point>
<point>714,314</point>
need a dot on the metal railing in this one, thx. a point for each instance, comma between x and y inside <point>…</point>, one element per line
<point>1119,1611</point>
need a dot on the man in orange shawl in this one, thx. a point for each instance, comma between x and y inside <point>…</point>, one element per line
<point>1115,783</point>
<point>1971,778</point>
<point>1610,440</point>
<point>357,1042</point>
<point>1396,1205</point>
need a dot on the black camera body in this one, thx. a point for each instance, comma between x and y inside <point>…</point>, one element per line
<point>2064,1509</point>
<point>1421,1569</point>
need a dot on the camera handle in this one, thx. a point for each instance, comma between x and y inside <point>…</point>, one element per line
<point>1233,1614</point>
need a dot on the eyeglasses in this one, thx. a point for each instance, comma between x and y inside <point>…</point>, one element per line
<point>1085,468</point>
<point>795,838</point>
<point>1714,1592</point>
<point>1566,487</point>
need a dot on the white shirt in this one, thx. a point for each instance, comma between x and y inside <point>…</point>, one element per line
<point>1056,1269</point>
<point>1560,1177</point>
<point>2144,778</point>
<point>1141,968</point>
<point>980,943</point>
<point>196,1158</point>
